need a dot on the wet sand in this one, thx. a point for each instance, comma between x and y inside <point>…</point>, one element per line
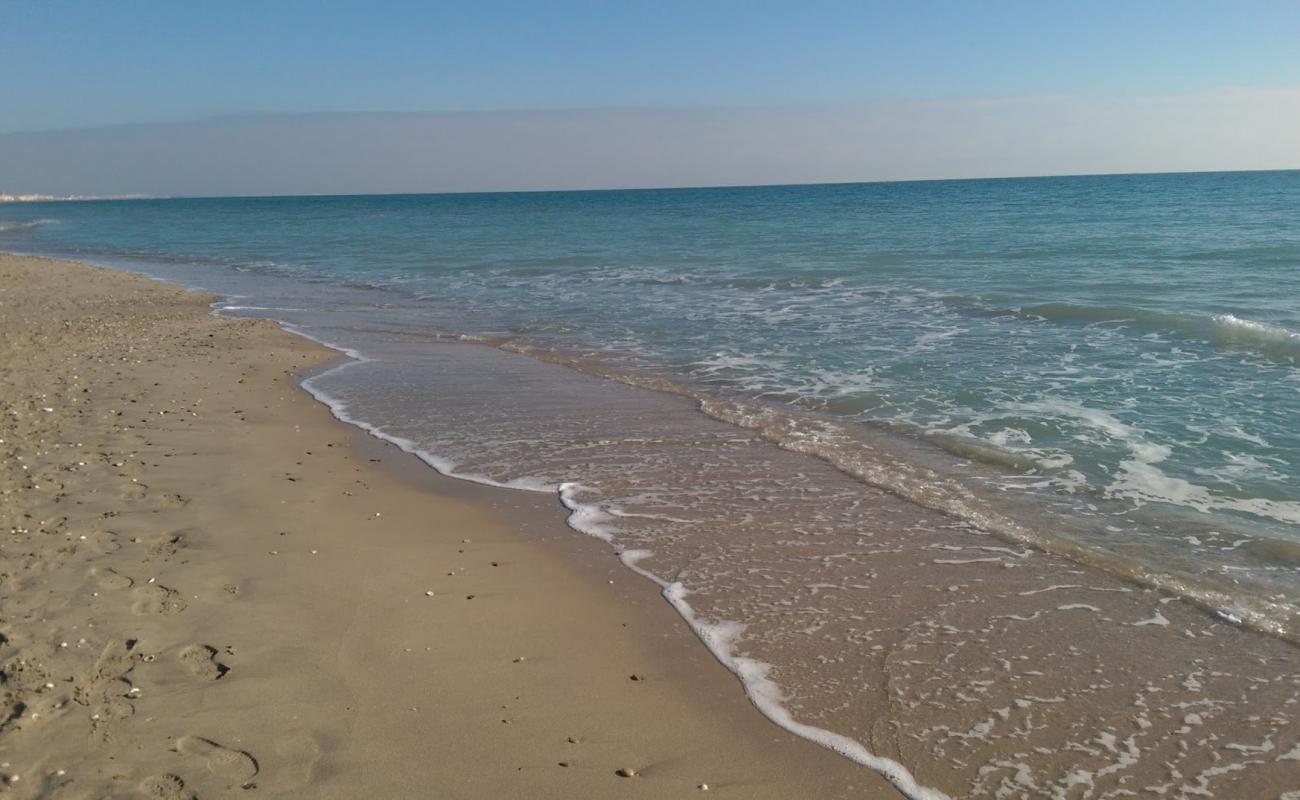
<point>209,587</point>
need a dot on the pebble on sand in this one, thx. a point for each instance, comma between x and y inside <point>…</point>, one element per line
<point>625,772</point>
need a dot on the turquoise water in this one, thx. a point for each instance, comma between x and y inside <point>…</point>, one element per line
<point>1105,368</point>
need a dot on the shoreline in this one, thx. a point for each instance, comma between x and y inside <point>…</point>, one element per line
<point>1000,699</point>
<point>547,646</point>
<point>1087,546</point>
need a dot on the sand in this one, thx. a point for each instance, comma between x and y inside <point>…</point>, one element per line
<point>211,588</point>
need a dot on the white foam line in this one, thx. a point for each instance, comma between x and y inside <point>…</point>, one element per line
<point>721,638</point>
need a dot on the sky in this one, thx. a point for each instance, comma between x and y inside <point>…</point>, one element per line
<point>238,97</point>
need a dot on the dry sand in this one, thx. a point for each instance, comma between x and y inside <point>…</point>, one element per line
<point>210,588</point>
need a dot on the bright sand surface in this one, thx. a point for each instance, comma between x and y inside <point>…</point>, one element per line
<point>211,588</point>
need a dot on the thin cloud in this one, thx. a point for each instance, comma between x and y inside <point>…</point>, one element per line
<point>342,153</point>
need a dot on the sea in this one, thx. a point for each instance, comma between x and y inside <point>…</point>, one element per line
<point>990,485</point>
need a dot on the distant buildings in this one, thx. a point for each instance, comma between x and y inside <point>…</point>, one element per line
<point>28,198</point>
<point>36,198</point>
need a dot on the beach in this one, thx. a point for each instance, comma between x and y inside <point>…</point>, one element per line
<point>210,587</point>
<point>597,401</point>
<point>862,490</point>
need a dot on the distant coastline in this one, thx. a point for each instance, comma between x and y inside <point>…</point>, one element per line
<point>45,198</point>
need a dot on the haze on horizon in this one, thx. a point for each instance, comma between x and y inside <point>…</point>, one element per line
<point>343,97</point>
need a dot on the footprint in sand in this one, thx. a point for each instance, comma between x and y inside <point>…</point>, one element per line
<point>134,492</point>
<point>235,766</point>
<point>172,500</point>
<point>114,661</point>
<point>12,708</point>
<point>165,787</point>
<point>158,599</point>
<point>200,661</point>
<point>104,688</point>
<point>164,547</point>
<point>298,759</point>
<point>103,542</point>
<point>109,578</point>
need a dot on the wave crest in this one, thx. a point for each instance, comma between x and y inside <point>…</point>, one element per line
<point>13,226</point>
<point>1270,341</point>
<point>1233,330</point>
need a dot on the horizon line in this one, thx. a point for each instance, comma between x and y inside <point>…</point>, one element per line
<point>686,187</point>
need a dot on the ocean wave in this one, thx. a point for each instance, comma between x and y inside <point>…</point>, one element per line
<point>1227,331</point>
<point>14,226</point>
<point>1232,330</point>
<point>1140,479</point>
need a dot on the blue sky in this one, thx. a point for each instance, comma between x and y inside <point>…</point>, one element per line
<point>71,64</point>
<point>157,97</point>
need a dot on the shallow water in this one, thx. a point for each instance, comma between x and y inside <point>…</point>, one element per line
<point>992,477</point>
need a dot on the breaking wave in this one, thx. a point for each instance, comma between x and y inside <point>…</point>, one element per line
<point>1274,342</point>
<point>15,226</point>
